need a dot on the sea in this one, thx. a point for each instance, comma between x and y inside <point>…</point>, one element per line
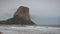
<point>28,29</point>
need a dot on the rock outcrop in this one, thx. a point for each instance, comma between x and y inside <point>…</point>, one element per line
<point>21,16</point>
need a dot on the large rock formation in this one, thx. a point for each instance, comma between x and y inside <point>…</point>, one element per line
<point>20,17</point>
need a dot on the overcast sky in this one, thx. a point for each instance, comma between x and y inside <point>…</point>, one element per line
<point>40,10</point>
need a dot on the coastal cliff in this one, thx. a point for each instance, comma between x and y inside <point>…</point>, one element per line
<point>21,17</point>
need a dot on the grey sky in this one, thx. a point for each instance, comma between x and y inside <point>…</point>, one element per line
<point>38,8</point>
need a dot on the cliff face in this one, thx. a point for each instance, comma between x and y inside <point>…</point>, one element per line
<point>23,12</point>
<point>21,16</point>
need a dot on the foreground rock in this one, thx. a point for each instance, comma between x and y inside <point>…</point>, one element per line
<point>20,17</point>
